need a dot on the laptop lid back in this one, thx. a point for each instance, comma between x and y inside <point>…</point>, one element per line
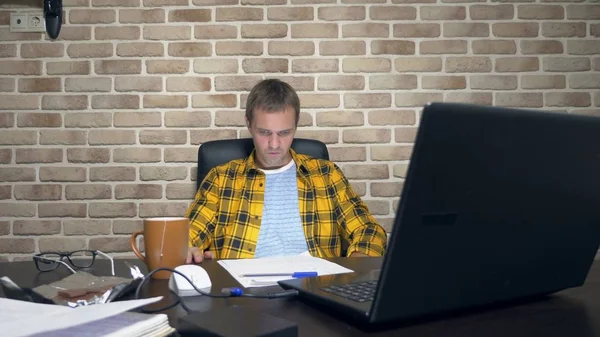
<point>498,204</point>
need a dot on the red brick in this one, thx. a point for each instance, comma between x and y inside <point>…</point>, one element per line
<point>443,47</point>
<point>526,29</point>
<point>113,209</point>
<point>442,82</point>
<point>138,191</point>
<point>136,155</point>
<point>17,245</point>
<point>190,15</point>
<point>364,30</point>
<point>340,118</point>
<point>405,135</point>
<point>190,49</point>
<point>496,46</point>
<point>87,227</point>
<point>214,101</point>
<point>270,31</point>
<point>112,173</point>
<point>38,192</point>
<point>215,32</point>
<point>493,82</point>
<point>161,209</point>
<point>517,64</point>
<point>88,155</point>
<point>390,152</point>
<point>541,12</point>
<point>416,99</point>
<point>461,29</point>
<point>341,82</point>
<point>379,47</point>
<point>366,171</point>
<point>373,100</point>
<point>59,210</point>
<point>45,155</point>
<point>366,136</point>
<point>289,13</point>
<point>39,120</point>
<point>392,13</point>
<point>5,156</point>
<point>392,117</point>
<point>343,47</point>
<point>321,65</point>
<point>443,12</point>
<point>520,99</point>
<point>479,98</point>
<point>392,82</point>
<point>341,13</point>
<point>492,12</point>
<point>420,64</point>
<point>163,136</point>
<point>238,14</point>
<point>236,83</point>
<point>583,11</point>
<point>17,174</point>
<point>292,48</point>
<point>541,47</point>
<point>238,48</point>
<point>417,30</point>
<point>88,119</point>
<point>88,191</point>
<point>568,99</point>
<point>62,173</point>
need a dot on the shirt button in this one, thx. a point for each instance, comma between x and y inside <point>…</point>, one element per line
<point>261,185</point>
<point>256,217</point>
<point>249,249</point>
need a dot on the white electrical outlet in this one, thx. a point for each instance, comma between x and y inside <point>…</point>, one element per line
<point>18,22</point>
<point>30,21</point>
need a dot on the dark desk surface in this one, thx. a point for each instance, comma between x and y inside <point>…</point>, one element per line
<point>572,312</point>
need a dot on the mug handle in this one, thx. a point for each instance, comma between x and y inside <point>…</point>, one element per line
<point>134,247</point>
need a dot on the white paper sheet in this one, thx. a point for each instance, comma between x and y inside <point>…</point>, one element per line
<point>19,318</point>
<point>283,264</point>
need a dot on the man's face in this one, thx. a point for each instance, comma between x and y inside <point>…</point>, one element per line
<point>272,133</point>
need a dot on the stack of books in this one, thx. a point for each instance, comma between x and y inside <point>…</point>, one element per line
<point>22,318</point>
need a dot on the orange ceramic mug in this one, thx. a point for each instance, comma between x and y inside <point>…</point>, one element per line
<point>165,243</point>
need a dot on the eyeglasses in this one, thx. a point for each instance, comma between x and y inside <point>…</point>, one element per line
<point>80,259</point>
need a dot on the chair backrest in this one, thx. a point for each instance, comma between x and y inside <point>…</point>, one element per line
<point>217,152</point>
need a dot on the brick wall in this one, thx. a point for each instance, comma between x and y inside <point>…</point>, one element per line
<point>101,127</point>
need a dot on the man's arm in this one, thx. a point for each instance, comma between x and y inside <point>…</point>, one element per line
<point>366,236</point>
<point>203,212</point>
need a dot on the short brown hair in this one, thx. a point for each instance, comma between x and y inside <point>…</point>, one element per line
<point>272,95</point>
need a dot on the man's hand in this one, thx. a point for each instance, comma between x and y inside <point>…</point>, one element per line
<point>357,254</point>
<point>195,255</point>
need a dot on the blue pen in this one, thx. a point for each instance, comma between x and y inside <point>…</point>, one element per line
<point>297,274</point>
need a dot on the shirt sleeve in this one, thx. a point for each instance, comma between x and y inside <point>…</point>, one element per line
<point>363,232</point>
<point>203,211</point>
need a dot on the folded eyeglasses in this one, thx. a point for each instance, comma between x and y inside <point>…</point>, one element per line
<point>79,259</point>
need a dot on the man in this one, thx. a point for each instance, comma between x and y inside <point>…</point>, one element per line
<point>277,202</point>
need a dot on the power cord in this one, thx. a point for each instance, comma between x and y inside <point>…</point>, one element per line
<point>225,292</point>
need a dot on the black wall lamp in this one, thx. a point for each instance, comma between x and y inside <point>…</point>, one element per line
<point>53,16</point>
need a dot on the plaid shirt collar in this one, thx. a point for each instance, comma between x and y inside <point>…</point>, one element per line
<point>250,163</point>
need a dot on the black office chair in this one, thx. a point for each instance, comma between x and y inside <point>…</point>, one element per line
<point>217,152</point>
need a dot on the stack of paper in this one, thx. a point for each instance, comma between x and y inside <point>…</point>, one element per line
<point>109,319</point>
<point>288,265</point>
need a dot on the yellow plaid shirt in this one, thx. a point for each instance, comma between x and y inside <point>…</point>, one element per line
<point>227,210</point>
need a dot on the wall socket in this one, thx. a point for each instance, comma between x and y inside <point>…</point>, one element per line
<point>29,21</point>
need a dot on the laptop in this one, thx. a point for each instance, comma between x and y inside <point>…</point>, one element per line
<point>498,205</point>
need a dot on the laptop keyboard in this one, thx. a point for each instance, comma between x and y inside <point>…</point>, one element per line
<point>359,292</point>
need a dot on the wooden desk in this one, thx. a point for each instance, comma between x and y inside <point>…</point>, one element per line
<point>573,312</point>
